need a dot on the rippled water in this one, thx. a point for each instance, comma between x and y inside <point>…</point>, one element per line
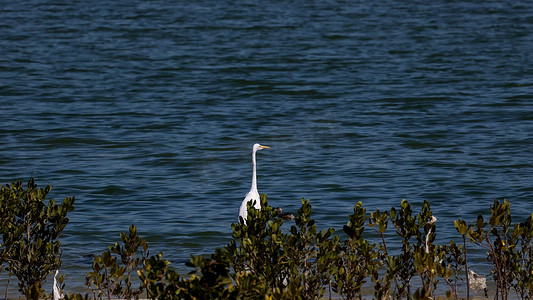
<point>146,111</point>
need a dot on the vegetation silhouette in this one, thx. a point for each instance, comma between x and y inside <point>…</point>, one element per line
<point>264,261</point>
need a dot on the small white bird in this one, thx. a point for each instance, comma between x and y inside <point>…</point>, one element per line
<point>431,222</point>
<point>57,291</point>
<point>253,194</point>
<point>477,282</point>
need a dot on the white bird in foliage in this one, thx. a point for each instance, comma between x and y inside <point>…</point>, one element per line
<point>57,291</point>
<point>430,222</point>
<point>477,282</point>
<point>253,194</point>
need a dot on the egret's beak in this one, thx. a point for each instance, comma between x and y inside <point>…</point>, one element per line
<point>264,147</point>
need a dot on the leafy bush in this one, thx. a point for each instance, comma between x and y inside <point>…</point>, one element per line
<point>30,227</point>
<point>509,248</point>
<point>303,262</point>
<point>357,258</point>
<point>263,261</point>
<point>111,277</point>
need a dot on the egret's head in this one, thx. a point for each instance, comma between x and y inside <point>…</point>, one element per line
<point>258,147</point>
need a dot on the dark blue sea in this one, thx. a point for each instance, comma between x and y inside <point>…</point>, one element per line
<point>146,112</point>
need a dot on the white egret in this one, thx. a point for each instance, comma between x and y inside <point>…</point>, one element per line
<point>253,194</point>
<point>57,291</point>
<point>430,222</point>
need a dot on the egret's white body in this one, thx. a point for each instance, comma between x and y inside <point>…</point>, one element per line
<point>433,220</point>
<point>57,292</point>
<point>253,194</point>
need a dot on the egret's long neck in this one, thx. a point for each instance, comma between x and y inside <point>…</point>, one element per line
<point>254,180</point>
